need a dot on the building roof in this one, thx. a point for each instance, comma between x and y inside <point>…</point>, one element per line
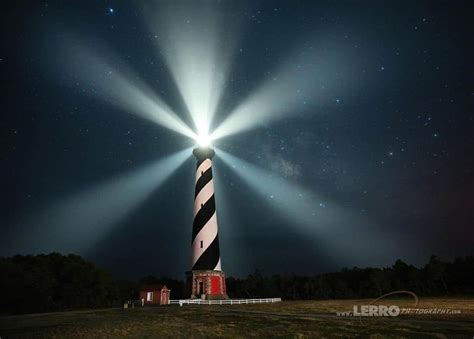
<point>153,287</point>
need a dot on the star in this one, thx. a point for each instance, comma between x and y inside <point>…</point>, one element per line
<point>320,150</point>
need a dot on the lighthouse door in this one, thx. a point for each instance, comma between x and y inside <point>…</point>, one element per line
<point>200,288</point>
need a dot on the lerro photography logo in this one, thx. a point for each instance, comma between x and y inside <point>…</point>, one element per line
<point>372,310</point>
<point>375,311</point>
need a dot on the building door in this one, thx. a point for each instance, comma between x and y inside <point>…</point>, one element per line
<point>200,288</point>
<point>164,298</point>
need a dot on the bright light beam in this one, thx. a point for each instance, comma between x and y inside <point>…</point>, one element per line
<point>77,223</point>
<point>196,40</point>
<point>203,140</point>
<point>231,233</point>
<point>121,88</point>
<point>309,79</point>
<point>340,231</point>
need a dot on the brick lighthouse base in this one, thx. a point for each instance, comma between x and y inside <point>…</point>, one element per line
<point>206,284</point>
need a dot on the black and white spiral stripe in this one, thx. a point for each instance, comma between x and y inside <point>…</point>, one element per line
<point>205,240</point>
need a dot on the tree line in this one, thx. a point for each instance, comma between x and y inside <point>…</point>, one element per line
<point>436,278</point>
<point>54,282</point>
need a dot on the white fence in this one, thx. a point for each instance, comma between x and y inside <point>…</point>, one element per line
<point>223,301</point>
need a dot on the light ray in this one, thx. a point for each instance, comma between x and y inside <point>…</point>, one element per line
<point>301,85</point>
<point>230,231</point>
<point>338,230</point>
<point>196,40</point>
<point>77,222</point>
<point>121,87</point>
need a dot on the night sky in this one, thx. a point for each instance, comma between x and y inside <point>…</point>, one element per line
<point>366,154</point>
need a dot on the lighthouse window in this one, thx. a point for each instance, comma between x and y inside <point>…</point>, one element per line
<point>202,205</point>
<point>202,172</point>
<point>201,243</point>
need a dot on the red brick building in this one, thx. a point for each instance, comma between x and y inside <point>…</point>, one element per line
<point>155,295</point>
<point>206,284</point>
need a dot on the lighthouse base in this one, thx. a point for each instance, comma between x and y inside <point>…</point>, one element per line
<point>206,284</point>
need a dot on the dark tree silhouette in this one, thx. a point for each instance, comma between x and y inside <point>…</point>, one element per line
<point>55,282</point>
<point>437,278</point>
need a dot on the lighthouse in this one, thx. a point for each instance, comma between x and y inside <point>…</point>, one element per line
<point>206,280</point>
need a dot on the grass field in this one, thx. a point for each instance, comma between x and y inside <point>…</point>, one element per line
<point>287,319</point>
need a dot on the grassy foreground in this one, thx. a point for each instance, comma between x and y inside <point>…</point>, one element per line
<point>288,319</point>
